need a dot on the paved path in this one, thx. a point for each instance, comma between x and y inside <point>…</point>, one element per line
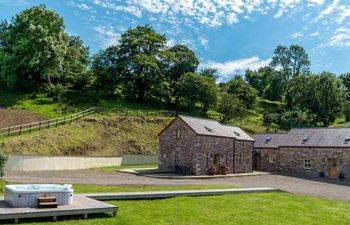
<point>290,184</point>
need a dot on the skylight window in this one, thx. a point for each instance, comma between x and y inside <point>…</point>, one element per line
<point>208,129</point>
<point>267,139</point>
<point>347,140</point>
<point>236,133</point>
<point>305,139</point>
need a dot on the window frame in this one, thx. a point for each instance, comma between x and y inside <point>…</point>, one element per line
<point>178,133</point>
<point>271,158</point>
<point>307,164</point>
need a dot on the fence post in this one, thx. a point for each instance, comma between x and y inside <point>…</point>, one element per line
<point>64,120</point>
<point>48,124</point>
<point>8,131</point>
<point>56,122</point>
<point>20,129</point>
<point>39,125</point>
<point>30,127</point>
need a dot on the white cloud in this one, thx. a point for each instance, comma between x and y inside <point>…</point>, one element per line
<point>83,6</point>
<point>296,35</point>
<point>315,34</point>
<point>230,68</point>
<point>203,41</point>
<point>107,36</point>
<point>341,38</point>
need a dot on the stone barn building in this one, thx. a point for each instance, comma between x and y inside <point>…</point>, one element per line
<point>316,152</point>
<point>196,146</point>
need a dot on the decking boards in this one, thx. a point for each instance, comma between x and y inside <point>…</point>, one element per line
<point>81,206</point>
<point>170,194</point>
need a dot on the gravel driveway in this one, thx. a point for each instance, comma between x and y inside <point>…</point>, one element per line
<point>320,188</point>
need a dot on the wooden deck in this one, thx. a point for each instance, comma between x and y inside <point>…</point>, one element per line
<point>81,206</point>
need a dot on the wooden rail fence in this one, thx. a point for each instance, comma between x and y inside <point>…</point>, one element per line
<point>20,129</point>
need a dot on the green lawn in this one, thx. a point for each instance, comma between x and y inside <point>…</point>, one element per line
<point>260,208</point>
<point>116,168</point>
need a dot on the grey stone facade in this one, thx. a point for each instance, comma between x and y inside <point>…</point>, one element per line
<point>291,160</point>
<point>193,153</point>
<point>314,152</point>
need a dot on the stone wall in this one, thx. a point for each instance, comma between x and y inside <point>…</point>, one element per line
<point>291,160</point>
<point>243,156</point>
<point>195,153</point>
<point>173,150</point>
<point>269,159</point>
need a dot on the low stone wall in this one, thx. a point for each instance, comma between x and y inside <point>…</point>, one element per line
<point>40,163</point>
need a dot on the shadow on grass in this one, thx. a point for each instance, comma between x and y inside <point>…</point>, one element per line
<point>67,219</point>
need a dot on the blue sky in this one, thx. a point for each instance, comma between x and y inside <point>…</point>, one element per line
<point>229,35</point>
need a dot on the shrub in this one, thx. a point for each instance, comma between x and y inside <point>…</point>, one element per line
<point>56,91</point>
<point>224,169</point>
<point>211,171</point>
<point>3,160</point>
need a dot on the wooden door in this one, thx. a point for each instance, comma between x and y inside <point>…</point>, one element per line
<point>256,162</point>
<point>332,168</point>
<point>216,163</point>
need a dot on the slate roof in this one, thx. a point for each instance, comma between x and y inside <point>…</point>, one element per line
<point>214,128</point>
<point>308,137</point>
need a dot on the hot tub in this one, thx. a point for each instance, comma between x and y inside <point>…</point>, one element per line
<point>27,195</point>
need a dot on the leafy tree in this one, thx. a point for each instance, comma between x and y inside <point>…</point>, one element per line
<point>276,87</point>
<point>196,89</point>
<point>293,60</point>
<point>183,60</point>
<point>346,111</point>
<point>345,78</point>
<point>138,56</point>
<point>230,107</point>
<point>34,46</point>
<point>209,72</point>
<point>76,60</point>
<point>321,96</point>
<point>268,82</point>
<point>286,120</point>
<point>244,91</point>
<point>176,61</point>
<point>107,71</point>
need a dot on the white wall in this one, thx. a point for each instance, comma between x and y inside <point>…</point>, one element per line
<point>38,163</point>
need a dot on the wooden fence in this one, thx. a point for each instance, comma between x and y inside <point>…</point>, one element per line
<point>20,129</point>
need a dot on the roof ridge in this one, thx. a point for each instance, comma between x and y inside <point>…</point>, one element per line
<point>201,118</point>
<point>319,128</point>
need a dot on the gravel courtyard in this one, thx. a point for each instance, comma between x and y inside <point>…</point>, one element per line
<point>319,188</point>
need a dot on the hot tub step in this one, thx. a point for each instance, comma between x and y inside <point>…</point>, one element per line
<point>47,199</point>
<point>48,204</point>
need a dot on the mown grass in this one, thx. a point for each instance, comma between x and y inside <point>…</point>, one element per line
<point>116,168</point>
<point>242,209</point>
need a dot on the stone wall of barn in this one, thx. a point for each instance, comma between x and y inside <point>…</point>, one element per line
<point>269,159</point>
<point>243,156</point>
<point>206,147</point>
<point>175,152</point>
<point>194,154</point>
<point>291,160</point>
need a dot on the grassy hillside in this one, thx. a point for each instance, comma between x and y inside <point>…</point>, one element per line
<point>95,135</point>
<point>102,133</point>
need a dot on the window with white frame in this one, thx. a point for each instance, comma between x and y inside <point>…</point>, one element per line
<point>307,164</point>
<point>271,158</point>
<point>178,133</point>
